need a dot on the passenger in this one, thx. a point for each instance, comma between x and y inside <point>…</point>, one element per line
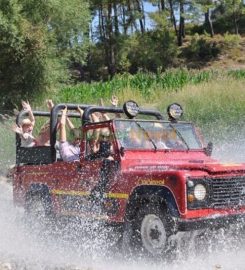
<point>43,137</point>
<point>103,148</point>
<point>159,136</point>
<point>135,139</point>
<point>69,151</point>
<point>104,152</point>
<point>173,141</point>
<point>138,139</point>
<point>44,134</point>
<point>26,127</point>
<point>99,133</point>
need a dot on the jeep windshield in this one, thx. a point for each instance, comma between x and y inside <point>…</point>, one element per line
<point>158,135</point>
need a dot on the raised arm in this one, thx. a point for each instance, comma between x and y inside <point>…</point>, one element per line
<point>114,102</point>
<point>80,111</point>
<point>17,129</point>
<point>69,122</point>
<point>50,104</point>
<point>27,107</point>
<point>63,125</point>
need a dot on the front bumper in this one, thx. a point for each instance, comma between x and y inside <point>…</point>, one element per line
<point>213,222</point>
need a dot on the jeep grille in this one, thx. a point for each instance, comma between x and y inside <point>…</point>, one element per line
<point>227,192</point>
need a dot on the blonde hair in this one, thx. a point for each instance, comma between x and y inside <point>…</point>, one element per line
<point>105,132</point>
<point>26,122</point>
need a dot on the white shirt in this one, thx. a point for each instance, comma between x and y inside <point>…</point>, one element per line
<point>27,140</point>
<point>69,152</point>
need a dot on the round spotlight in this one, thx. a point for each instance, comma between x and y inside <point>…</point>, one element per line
<point>131,109</point>
<point>174,111</point>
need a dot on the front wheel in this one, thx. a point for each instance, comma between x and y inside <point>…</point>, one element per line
<point>151,230</point>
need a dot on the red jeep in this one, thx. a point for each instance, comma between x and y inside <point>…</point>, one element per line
<point>155,178</point>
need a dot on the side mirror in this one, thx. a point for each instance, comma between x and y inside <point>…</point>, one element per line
<point>209,149</point>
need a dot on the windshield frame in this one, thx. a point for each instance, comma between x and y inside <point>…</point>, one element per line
<point>171,125</point>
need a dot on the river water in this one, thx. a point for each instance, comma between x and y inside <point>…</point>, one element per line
<point>22,249</point>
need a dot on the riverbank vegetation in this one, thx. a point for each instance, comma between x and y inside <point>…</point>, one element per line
<point>210,97</point>
<point>57,44</point>
<point>213,100</point>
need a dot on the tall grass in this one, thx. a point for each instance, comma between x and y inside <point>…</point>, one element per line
<point>211,98</point>
<point>217,106</point>
<point>7,149</point>
<point>144,83</point>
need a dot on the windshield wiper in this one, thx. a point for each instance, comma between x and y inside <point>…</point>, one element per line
<point>147,134</point>
<point>180,136</point>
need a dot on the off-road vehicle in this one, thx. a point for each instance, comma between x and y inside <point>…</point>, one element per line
<point>156,177</point>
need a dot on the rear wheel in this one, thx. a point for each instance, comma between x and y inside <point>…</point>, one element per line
<point>38,212</point>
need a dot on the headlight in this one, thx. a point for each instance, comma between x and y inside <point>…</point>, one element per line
<point>200,192</point>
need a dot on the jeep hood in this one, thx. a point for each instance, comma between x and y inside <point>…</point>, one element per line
<point>165,161</point>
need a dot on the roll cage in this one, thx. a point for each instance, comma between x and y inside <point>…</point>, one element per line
<point>47,154</point>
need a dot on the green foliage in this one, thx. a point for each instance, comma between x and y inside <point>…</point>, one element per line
<point>237,74</point>
<point>215,105</point>
<point>228,16</point>
<point>147,85</point>
<point>22,52</point>
<point>231,40</point>
<point>202,47</point>
<point>95,67</point>
<point>37,39</point>
<point>7,150</point>
<point>206,95</point>
<point>150,51</point>
<point>212,99</point>
<point>43,42</point>
<point>192,29</point>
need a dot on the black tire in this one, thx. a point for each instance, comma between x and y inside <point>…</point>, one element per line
<point>38,212</point>
<point>151,231</point>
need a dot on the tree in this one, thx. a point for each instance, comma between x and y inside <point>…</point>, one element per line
<point>207,6</point>
<point>181,32</point>
<point>173,19</point>
<point>234,9</point>
<point>228,14</point>
<point>38,40</point>
<point>154,50</point>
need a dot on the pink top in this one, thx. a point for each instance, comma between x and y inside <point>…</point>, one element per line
<point>69,152</point>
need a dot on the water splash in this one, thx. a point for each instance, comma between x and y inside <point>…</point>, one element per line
<point>74,247</point>
<point>89,249</point>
